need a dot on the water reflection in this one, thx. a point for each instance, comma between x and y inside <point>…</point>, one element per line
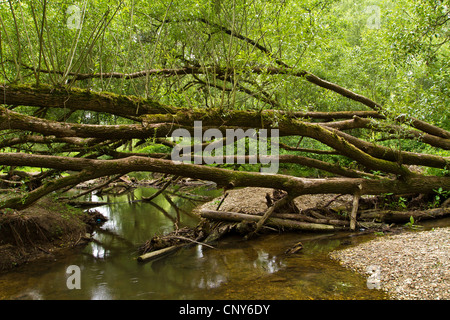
<point>101,292</point>
<point>199,252</point>
<point>98,251</point>
<point>209,282</point>
<point>268,263</point>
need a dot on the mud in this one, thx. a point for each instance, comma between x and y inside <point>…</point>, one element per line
<point>42,230</point>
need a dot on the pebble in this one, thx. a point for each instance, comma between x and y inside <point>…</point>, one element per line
<point>413,265</point>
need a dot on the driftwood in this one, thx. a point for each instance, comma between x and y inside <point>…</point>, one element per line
<point>154,255</point>
<point>274,222</point>
<point>159,245</point>
<point>158,253</point>
<point>190,240</point>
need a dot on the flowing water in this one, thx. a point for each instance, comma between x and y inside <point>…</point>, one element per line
<point>234,269</point>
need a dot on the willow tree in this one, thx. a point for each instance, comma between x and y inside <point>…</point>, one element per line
<point>97,90</point>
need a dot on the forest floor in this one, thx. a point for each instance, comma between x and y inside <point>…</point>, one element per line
<point>41,231</point>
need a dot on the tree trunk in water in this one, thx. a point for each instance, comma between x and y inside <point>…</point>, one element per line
<point>274,222</point>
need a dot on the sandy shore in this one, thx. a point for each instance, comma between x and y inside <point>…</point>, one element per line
<point>409,266</point>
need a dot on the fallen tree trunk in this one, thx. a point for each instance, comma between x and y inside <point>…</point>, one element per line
<point>295,186</point>
<point>274,222</point>
<point>268,213</point>
<point>302,217</point>
<point>391,216</point>
<point>86,204</point>
<point>372,156</point>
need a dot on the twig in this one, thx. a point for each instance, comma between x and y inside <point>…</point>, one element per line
<point>43,250</point>
<point>95,187</point>
<point>223,199</point>
<point>187,239</point>
<point>332,200</point>
<point>164,187</point>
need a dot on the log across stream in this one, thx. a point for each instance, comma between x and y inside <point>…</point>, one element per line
<point>253,211</point>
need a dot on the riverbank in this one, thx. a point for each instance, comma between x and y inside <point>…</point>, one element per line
<point>410,266</point>
<point>40,231</point>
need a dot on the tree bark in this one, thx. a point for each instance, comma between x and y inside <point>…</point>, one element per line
<point>268,213</point>
<point>302,217</point>
<point>392,216</point>
<point>295,186</point>
<point>356,197</point>
<point>274,222</point>
<point>24,201</point>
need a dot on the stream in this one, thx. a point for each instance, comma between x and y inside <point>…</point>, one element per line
<point>234,269</point>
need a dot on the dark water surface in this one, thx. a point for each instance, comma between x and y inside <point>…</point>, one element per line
<point>235,269</point>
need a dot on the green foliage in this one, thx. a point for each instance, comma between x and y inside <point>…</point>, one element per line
<point>411,224</point>
<point>440,196</point>
<point>154,148</point>
<point>394,52</point>
<point>389,201</point>
<point>402,63</point>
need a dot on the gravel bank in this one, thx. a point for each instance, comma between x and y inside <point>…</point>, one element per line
<point>253,201</point>
<point>412,265</point>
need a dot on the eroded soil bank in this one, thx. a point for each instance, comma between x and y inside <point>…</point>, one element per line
<point>42,230</point>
